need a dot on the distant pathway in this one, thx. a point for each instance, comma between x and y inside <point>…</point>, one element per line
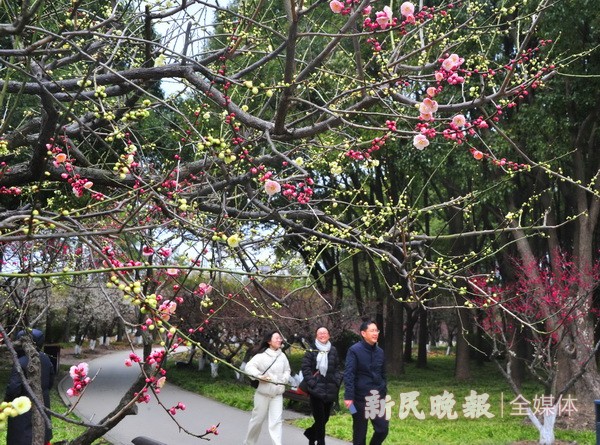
<point>114,378</point>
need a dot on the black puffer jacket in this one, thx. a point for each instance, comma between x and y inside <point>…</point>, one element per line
<point>323,387</point>
<point>19,428</point>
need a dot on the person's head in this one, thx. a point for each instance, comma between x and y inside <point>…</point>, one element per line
<point>369,332</point>
<point>36,335</point>
<point>322,335</point>
<point>271,339</point>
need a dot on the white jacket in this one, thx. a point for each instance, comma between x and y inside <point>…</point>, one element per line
<point>278,372</point>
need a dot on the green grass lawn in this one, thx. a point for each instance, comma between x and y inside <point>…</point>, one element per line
<point>504,428</point>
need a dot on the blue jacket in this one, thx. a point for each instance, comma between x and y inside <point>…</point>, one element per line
<point>365,371</point>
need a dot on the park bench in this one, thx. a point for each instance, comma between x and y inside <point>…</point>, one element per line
<point>295,396</point>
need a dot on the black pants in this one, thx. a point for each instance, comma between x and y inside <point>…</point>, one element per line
<point>360,425</point>
<point>321,411</point>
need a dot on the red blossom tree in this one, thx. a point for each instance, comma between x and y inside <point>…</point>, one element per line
<point>541,309</point>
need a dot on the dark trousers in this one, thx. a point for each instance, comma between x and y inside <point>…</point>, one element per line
<point>360,425</point>
<point>321,411</point>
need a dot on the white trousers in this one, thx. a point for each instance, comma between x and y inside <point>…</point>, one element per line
<point>264,406</point>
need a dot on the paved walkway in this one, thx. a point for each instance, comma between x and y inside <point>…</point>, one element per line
<point>113,378</point>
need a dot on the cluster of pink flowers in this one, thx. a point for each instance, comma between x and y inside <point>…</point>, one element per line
<point>179,406</point>
<point>203,289</point>
<point>301,192</point>
<point>385,18</point>
<point>114,262</point>
<point>79,374</point>
<point>15,191</point>
<point>133,358</point>
<point>213,430</point>
<point>450,65</point>
<point>454,131</point>
<point>78,184</point>
<point>427,108</point>
<point>166,309</point>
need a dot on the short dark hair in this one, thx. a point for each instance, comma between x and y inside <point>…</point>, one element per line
<point>365,324</point>
<point>322,327</point>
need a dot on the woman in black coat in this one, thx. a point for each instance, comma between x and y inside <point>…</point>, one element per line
<point>322,371</point>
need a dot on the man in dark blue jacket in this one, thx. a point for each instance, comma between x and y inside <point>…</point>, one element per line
<point>366,387</point>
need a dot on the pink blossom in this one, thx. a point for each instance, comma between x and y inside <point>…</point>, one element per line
<point>477,154</point>
<point>367,10</point>
<point>420,141</point>
<point>79,370</point>
<point>166,309</point>
<point>161,382</point>
<point>439,76</point>
<point>459,120</point>
<point>88,185</point>
<point>272,187</point>
<point>431,91</point>
<point>428,106</point>
<point>213,429</point>
<point>426,117</point>
<point>203,289</point>
<point>147,250</point>
<point>165,252</point>
<point>80,379</point>
<point>384,17</point>
<point>60,158</point>
<point>336,6</point>
<point>172,272</point>
<point>407,9</point>
<point>452,62</point>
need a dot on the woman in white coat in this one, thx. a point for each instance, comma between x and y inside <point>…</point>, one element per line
<point>272,369</point>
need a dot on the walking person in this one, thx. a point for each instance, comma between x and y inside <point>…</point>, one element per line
<point>364,377</point>
<point>321,370</point>
<point>20,428</point>
<point>272,369</point>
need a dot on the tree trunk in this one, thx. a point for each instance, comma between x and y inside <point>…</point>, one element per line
<point>423,338</point>
<point>394,338</point>
<point>34,377</point>
<point>462,365</point>
<point>518,348</point>
<point>410,333</point>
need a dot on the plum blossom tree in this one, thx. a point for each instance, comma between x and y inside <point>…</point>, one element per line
<point>540,310</point>
<point>277,122</point>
